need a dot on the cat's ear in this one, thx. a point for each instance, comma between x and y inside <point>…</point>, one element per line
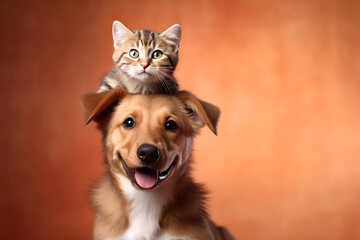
<point>173,34</point>
<point>200,113</point>
<point>120,33</point>
<point>93,104</point>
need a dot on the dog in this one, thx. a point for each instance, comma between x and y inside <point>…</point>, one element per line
<point>147,191</point>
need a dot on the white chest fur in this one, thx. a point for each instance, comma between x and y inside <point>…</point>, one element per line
<point>145,210</point>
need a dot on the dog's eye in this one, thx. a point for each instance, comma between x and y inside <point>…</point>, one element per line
<point>129,123</point>
<point>170,125</point>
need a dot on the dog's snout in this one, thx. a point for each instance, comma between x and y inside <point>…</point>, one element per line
<point>148,153</point>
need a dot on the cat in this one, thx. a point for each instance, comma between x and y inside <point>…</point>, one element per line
<point>145,60</point>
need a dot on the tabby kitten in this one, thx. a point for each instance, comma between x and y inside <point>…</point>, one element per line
<point>145,60</point>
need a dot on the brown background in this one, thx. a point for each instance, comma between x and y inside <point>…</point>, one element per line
<point>286,75</point>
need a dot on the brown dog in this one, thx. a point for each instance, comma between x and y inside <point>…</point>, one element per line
<point>147,191</point>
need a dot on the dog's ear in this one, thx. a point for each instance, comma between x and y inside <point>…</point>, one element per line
<point>94,103</point>
<point>200,112</point>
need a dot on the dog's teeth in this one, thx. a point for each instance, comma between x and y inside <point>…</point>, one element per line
<point>164,174</point>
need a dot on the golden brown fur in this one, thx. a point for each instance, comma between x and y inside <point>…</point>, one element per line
<point>183,214</point>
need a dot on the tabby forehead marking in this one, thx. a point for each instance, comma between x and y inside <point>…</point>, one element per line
<point>146,38</point>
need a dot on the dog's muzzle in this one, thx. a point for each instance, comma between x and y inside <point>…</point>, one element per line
<point>144,177</point>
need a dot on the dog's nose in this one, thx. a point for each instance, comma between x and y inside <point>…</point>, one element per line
<point>148,153</point>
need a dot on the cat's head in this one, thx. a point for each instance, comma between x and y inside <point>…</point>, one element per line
<point>146,55</point>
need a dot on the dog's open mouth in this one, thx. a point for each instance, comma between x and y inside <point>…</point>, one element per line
<point>146,178</point>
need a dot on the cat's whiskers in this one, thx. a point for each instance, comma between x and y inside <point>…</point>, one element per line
<point>168,77</point>
<point>163,82</point>
<point>165,78</point>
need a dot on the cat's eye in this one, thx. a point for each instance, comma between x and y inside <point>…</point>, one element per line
<point>171,125</point>
<point>129,123</point>
<point>157,54</point>
<point>134,53</point>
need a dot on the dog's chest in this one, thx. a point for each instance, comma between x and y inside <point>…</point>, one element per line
<point>145,210</point>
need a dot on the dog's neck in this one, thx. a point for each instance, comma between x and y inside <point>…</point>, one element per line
<point>144,208</point>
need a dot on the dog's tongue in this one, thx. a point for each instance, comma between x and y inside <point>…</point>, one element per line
<point>146,177</point>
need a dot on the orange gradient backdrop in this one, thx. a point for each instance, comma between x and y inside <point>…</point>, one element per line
<point>286,75</point>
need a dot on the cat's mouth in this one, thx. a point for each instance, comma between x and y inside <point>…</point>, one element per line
<point>147,71</point>
<point>146,77</point>
<point>144,72</point>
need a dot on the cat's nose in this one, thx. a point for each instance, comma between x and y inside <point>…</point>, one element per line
<point>144,65</point>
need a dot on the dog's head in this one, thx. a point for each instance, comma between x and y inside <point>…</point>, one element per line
<point>148,138</point>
